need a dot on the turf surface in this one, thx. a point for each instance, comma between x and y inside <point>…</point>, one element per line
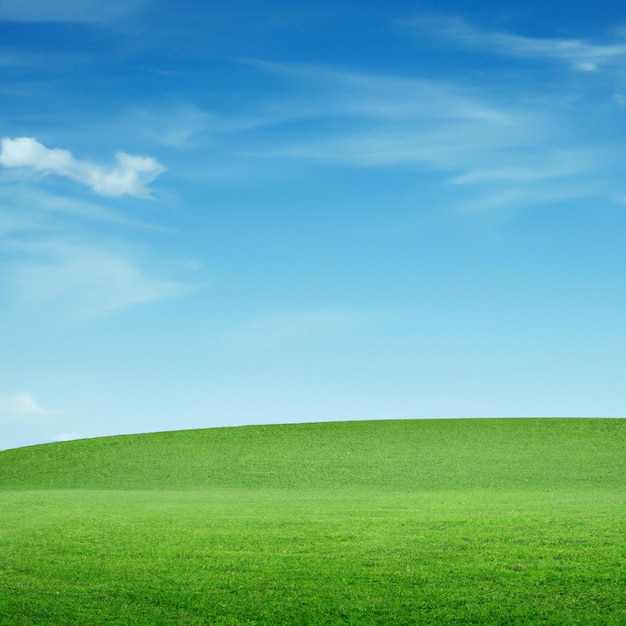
<point>400,522</point>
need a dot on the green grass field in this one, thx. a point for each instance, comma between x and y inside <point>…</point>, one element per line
<point>504,521</point>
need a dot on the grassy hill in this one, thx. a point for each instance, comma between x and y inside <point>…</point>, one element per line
<point>511,521</point>
<point>405,455</point>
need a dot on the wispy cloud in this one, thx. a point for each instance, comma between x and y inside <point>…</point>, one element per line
<point>24,421</point>
<point>23,208</point>
<point>466,135</point>
<point>131,174</point>
<point>382,121</point>
<point>84,279</point>
<point>548,165</point>
<point>177,126</point>
<point>343,92</point>
<point>20,407</point>
<point>580,54</point>
<point>506,194</point>
<point>188,126</point>
<point>58,258</point>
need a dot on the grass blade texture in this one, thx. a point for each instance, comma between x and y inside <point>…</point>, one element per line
<point>500,521</point>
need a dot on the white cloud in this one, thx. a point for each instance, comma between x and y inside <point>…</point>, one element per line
<point>58,263</point>
<point>129,176</point>
<point>582,55</point>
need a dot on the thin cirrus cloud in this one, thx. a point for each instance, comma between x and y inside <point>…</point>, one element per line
<point>465,135</point>
<point>332,115</point>
<point>23,420</point>
<point>21,407</point>
<point>551,165</point>
<point>23,208</point>
<point>176,126</point>
<point>130,175</point>
<point>86,278</point>
<point>378,96</point>
<point>396,121</point>
<point>580,54</point>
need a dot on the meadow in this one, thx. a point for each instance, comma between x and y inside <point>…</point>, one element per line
<point>499,521</point>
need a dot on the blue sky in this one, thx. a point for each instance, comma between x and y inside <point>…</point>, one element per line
<point>217,214</point>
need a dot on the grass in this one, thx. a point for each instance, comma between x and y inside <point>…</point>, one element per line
<point>400,522</point>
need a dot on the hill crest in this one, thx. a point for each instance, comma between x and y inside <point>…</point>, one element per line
<point>395,454</point>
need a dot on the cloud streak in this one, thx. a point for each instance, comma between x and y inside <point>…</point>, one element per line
<point>23,421</point>
<point>481,136</point>
<point>130,175</point>
<point>379,96</point>
<point>385,121</point>
<point>21,407</point>
<point>175,126</point>
<point>558,164</point>
<point>580,54</point>
<point>86,278</point>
